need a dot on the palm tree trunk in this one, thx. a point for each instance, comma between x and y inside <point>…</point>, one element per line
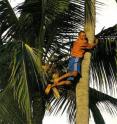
<point>38,107</point>
<point>82,88</point>
<point>38,100</point>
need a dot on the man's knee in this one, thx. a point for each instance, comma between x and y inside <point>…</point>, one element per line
<point>75,73</point>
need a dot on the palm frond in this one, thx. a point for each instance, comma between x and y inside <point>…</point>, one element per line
<point>8,19</point>
<point>109,102</point>
<point>36,61</point>
<point>103,65</point>
<point>35,15</point>
<point>6,56</point>
<point>9,109</point>
<point>49,9</point>
<point>98,118</point>
<point>19,83</point>
<point>67,103</point>
<point>24,81</point>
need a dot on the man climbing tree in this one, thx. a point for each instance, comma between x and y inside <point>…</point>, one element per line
<point>78,49</point>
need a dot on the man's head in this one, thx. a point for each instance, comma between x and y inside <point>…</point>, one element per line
<point>82,35</point>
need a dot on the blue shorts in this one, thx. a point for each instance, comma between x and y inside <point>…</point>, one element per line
<point>74,65</point>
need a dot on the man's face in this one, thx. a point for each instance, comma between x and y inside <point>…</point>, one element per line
<point>82,36</point>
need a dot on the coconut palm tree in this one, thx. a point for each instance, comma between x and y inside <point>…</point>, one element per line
<point>41,34</point>
<point>82,95</point>
<point>82,89</point>
<point>15,33</point>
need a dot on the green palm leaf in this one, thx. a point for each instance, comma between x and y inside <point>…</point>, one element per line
<point>97,99</point>
<point>9,109</point>
<point>8,19</point>
<point>19,83</point>
<point>103,63</point>
<point>5,62</point>
<point>98,118</point>
<point>24,82</point>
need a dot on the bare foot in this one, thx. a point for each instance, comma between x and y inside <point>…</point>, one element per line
<point>68,82</point>
<point>48,88</point>
<point>56,92</point>
<point>56,81</point>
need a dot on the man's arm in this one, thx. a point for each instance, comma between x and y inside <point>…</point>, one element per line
<point>88,46</point>
<point>93,45</point>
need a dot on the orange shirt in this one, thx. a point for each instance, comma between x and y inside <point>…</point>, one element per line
<point>79,46</point>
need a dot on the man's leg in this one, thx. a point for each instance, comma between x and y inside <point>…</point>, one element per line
<point>67,75</point>
<point>48,88</point>
<point>74,70</point>
<point>65,82</point>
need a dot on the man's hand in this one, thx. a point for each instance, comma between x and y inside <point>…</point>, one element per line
<point>56,81</point>
<point>96,41</point>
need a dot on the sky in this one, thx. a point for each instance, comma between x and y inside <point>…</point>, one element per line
<point>106,17</point>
